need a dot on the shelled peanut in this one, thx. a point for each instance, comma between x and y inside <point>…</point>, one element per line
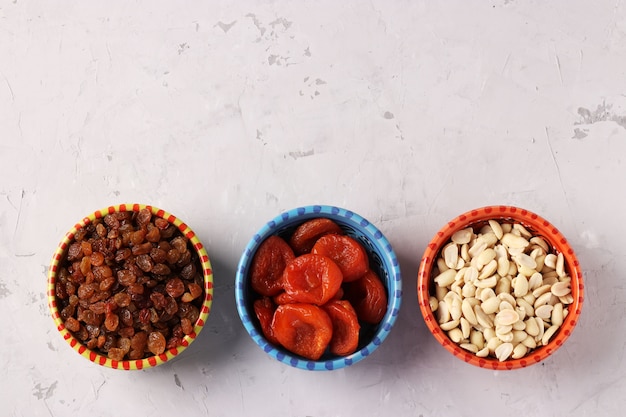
<point>500,291</point>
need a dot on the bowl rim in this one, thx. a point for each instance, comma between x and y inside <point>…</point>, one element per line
<point>342,216</point>
<point>534,223</point>
<point>151,361</point>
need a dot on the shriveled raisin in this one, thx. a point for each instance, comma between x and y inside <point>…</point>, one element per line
<point>142,248</point>
<point>137,237</point>
<point>158,300</point>
<point>74,252</point>
<point>180,243</point>
<point>127,331</point>
<point>126,316</point>
<point>144,262</point>
<point>186,325</point>
<point>122,254</point>
<point>156,343</point>
<point>175,287</point>
<point>102,272</point>
<point>135,288</point>
<point>107,283</point>
<point>154,234</point>
<point>72,324</point>
<point>143,217</point>
<point>185,258</point>
<point>86,247</point>
<point>96,258</point>
<point>85,291</point>
<point>161,223</point>
<point>144,316</point>
<point>173,255</point>
<point>116,354</point>
<point>122,299</point>
<point>99,307</point>
<point>126,277</point>
<point>111,221</point>
<point>172,342</point>
<point>101,231</point>
<point>189,271</point>
<point>158,255</point>
<point>161,269</point>
<point>111,322</point>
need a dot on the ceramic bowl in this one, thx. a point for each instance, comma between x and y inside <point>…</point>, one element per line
<point>382,259</point>
<point>537,226</point>
<point>202,302</point>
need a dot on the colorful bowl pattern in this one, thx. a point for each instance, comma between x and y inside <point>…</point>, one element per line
<point>153,360</point>
<point>383,261</point>
<point>536,225</point>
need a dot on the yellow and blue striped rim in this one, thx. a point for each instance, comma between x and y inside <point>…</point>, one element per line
<point>151,361</point>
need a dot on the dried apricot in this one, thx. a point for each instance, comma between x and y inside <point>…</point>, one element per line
<point>264,309</point>
<point>268,264</point>
<point>304,329</point>
<point>346,252</point>
<point>346,327</point>
<point>312,278</point>
<point>305,235</point>
<point>368,297</point>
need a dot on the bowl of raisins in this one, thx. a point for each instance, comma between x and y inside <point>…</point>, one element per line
<point>318,288</point>
<point>130,286</point>
<point>500,288</point>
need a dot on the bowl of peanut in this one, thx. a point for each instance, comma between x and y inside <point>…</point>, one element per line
<point>500,288</point>
<point>130,287</point>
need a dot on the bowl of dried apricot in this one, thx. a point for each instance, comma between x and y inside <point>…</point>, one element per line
<point>500,287</point>
<point>130,286</point>
<point>318,288</point>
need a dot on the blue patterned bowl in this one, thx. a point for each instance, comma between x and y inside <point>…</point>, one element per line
<point>383,261</point>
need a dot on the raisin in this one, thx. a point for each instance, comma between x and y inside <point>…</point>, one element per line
<point>137,237</point>
<point>173,255</point>
<point>107,283</point>
<point>112,221</point>
<point>72,324</point>
<point>156,343</point>
<point>144,262</point>
<point>74,252</point>
<point>61,290</point>
<point>135,289</point>
<point>86,247</point>
<point>97,258</point>
<point>145,315</point>
<point>98,307</point>
<point>85,291</point>
<point>111,322</point>
<point>161,269</point>
<point>143,217</point>
<point>189,271</point>
<point>80,234</point>
<point>158,255</point>
<point>175,287</point>
<point>116,354</point>
<point>142,248</point>
<point>85,265</point>
<point>186,325</point>
<point>122,254</point>
<point>158,300</point>
<point>161,223</point>
<point>122,299</point>
<point>180,244</point>
<point>126,277</point>
<point>154,234</point>
<point>127,317</point>
<point>127,331</point>
<point>101,230</point>
<point>172,342</point>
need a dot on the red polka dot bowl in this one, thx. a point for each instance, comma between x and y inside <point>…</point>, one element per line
<point>75,272</point>
<point>457,343</point>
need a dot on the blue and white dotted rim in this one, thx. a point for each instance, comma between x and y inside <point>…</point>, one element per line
<point>343,218</point>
